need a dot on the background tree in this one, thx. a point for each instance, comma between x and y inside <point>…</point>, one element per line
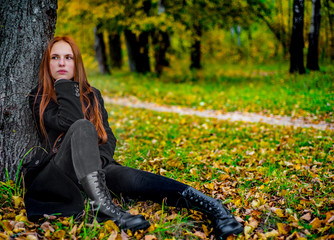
<point>100,50</point>
<point>313,53</point>
<point>297,38</point>
<point>330,32</point>
<point>26,28</point>
<point>271,14</point>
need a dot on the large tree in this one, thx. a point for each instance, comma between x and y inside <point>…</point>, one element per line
<point>313,53</point>
<point>100,50</point>
<point>26,27</point>
<point>297,38</point>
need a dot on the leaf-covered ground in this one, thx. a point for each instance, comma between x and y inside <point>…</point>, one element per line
<point>278,181</point>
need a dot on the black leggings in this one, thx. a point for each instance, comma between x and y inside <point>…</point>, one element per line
<point>79,155</point>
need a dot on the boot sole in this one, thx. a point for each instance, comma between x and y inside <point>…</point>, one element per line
<point>138,227</point>
<point>235,232</point>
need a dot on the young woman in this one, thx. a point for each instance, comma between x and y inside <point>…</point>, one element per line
<point>77,154</point>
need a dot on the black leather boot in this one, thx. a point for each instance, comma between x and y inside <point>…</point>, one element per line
<point>223,221</point>
<point>101,202</point>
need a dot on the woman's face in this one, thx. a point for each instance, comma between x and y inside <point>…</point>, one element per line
<point>62,61</point>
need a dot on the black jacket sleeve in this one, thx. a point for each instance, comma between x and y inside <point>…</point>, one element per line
<point>61,115</point>
<point>69,106</point>
<point>107,149</point>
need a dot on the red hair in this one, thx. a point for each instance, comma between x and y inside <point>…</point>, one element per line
<point>46,85</point>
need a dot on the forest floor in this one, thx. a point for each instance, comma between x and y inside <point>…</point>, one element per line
<point>260,141</point>
<point>221,115</point>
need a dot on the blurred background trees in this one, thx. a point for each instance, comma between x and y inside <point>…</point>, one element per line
<point>152,35</point>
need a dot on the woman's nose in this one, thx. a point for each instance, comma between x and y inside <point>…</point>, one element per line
<point>61,61</point>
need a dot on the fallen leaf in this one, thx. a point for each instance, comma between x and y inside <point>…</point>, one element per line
<point>277,211</point>
<point>253,223</point>
<point>124,236</point>
<point>110,226</point>
<point>113,235</point>
<point>199,234</point>
<point>150,237</point>
<point>31,237</point>
<point>283,228</point>
<point>306,217</point>
<point>272,234</point>
<point>316,223</point>
<point>59,234</point>
<point>17,201</point>
<point>47,226</point>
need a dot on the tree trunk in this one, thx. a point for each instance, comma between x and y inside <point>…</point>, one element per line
<point>115,50</point>
<point>195,51</point>
<point>27,26</point>
<point>138,47</point>
<point>100,50</point>
<point>137,51</point>
<point>331,34</point>
<point>161,43</point>
<point>297,38</point>
<point>312,55</point>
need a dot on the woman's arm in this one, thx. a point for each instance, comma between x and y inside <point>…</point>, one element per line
<point>61,115</point>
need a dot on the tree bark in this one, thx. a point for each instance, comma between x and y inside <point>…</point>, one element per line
<point>26,28</point>
<point>331,34</point>
<point>195,51</point>
<point>297,38</point>
<point>100,50</point>
<point>137,51</point>
<point>313,55</point>
<point>138,46</point>
<point>115,50</point>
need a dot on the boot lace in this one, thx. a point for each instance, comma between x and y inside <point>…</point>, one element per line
<point>209,205</point>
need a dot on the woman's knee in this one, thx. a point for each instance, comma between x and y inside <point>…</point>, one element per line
<point>83,125</point>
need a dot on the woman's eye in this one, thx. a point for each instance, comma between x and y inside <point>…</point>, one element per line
<point>54,57</point>
<point>69,58</point>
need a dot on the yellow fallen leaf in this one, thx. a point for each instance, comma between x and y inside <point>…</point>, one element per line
<point>237,202</point>
<point>17,201</point>
<point>21,218</point>
<point>110,226</point>
<point>272,234</point>
<point>277,211</point>
<point>316,223</point>
<point>59,234</point>
<point>205,230</point>
<point>283,228</point>
<point>4,236</point>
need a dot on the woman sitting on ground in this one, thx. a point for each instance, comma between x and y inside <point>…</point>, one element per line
<point>78,149</point>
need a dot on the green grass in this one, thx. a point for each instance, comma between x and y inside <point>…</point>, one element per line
<point>266,90</point>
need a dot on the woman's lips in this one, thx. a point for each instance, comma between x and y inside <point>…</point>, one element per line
<point>62,71</point>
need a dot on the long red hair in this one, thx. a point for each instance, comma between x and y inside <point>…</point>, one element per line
<point>46,86</point>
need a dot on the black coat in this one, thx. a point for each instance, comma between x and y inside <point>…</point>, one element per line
<point>49,190</point>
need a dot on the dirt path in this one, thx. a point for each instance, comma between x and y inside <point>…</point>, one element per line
<point>231,116</point>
